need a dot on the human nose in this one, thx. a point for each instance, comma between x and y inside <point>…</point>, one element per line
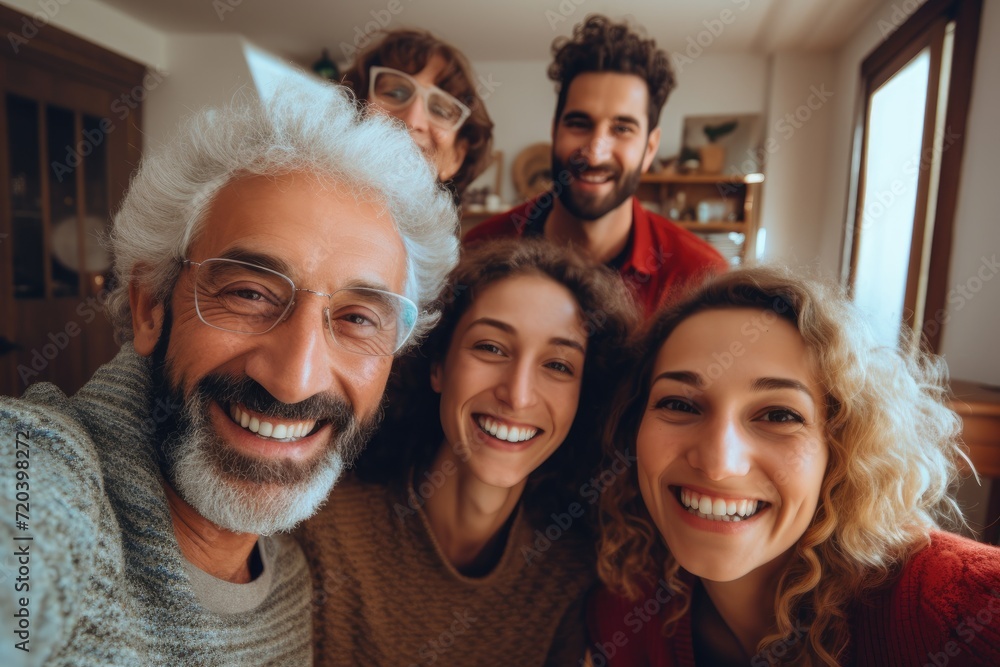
<point>415,114</point>
<point>721,451</point>
<point>597,149</point>
<point>295,360</point>
<point>517,388</point>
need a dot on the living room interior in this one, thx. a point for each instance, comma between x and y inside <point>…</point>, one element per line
<point>800,80</point>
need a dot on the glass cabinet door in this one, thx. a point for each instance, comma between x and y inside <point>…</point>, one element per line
<point>65,162</point>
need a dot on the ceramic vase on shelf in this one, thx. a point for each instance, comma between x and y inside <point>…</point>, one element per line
<point>713,158</point>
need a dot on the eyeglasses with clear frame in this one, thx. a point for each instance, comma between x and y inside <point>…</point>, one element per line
<point>241,297</point>
<point>395,90</point>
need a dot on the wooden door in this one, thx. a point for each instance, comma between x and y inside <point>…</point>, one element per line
<point>69,139</point>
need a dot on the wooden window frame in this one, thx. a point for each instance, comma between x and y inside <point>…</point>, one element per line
<point>924,28</point>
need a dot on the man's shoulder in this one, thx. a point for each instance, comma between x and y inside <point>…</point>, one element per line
<point>665,232</point>
<point>45,417</point>
<point>57,453</point>
<point>64,524</point>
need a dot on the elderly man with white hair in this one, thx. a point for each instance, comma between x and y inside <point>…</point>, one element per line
<point>269,264</point>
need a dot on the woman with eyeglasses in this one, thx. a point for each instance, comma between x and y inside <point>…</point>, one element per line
<point>464,538</point>
<point>429,85</point>
<point>790,496</point>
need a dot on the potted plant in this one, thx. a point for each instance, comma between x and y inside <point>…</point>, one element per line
<point>713,155</point>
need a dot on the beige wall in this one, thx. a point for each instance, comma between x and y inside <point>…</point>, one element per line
<point>973,329</point>
<point>800,115</point>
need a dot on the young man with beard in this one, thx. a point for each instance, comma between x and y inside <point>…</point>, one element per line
<point>611,84</point>
<point>269,264</point>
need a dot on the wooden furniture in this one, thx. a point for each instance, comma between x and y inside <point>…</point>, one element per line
<point>70,119</point>
<point>724,209</point>
<point>979,407</point>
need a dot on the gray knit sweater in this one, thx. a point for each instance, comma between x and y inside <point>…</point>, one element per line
<point>105,582</point>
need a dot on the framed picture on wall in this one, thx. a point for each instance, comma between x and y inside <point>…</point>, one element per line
<point>734,141</point>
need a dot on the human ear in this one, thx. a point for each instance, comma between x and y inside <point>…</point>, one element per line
<point>652,145</point>
<point>436,377</point>
<point>147,317</point>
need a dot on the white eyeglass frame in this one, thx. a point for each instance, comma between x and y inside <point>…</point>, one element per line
<point>424,92</point>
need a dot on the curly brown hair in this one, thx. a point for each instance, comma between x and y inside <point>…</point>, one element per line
<point>408,51</point>
<point>893,444</point>
<point>600,45</point>
<point>412,434</point>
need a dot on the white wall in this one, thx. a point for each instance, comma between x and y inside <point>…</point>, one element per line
<point>521,100</point>
<point>798,126</point>
<point>972,331</point>
<point>102,25</point>
<point>202,70</point>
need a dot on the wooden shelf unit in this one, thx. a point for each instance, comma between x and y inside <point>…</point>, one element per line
<point>740,194</point>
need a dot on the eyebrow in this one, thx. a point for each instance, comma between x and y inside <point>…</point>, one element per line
<point>506,328</point>
<point>684,377</point>
<point>631,120</point>
<point>580,115</point>
<point>281,266</point>
<point>260,259</point>
<point>769,384</point>
<point>758,385</point>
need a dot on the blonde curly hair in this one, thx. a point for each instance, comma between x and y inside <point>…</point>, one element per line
<point>894,450</point>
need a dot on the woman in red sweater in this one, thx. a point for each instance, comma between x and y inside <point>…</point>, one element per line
<point>791,482</point>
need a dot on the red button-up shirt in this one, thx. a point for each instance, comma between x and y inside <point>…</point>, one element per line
<point>661,258</point>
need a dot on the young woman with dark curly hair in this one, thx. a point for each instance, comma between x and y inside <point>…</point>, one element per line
<point>790,493</point>
<point>465,537</point>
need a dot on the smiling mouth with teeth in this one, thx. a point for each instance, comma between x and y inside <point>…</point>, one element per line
<point>271,429</point>
<point>595,177</point>
<point>715,508</point>
<point>502,431</point>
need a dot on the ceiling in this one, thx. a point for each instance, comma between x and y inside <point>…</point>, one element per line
<point>509,30</point>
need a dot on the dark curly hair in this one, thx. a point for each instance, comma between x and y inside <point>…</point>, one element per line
<point>408,51</point>
<point>411,433</point>
<point>600,45</point>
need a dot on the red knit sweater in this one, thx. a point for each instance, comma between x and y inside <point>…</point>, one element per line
<point>944,609</point>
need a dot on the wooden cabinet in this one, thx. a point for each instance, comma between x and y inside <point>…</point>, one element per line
<point>979,407</point>
<point>69,139</point>
<point>723,209</point>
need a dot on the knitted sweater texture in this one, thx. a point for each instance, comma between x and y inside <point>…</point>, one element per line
<point>943,609</point>
<point>385,594</point>
<point>107,583</point>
